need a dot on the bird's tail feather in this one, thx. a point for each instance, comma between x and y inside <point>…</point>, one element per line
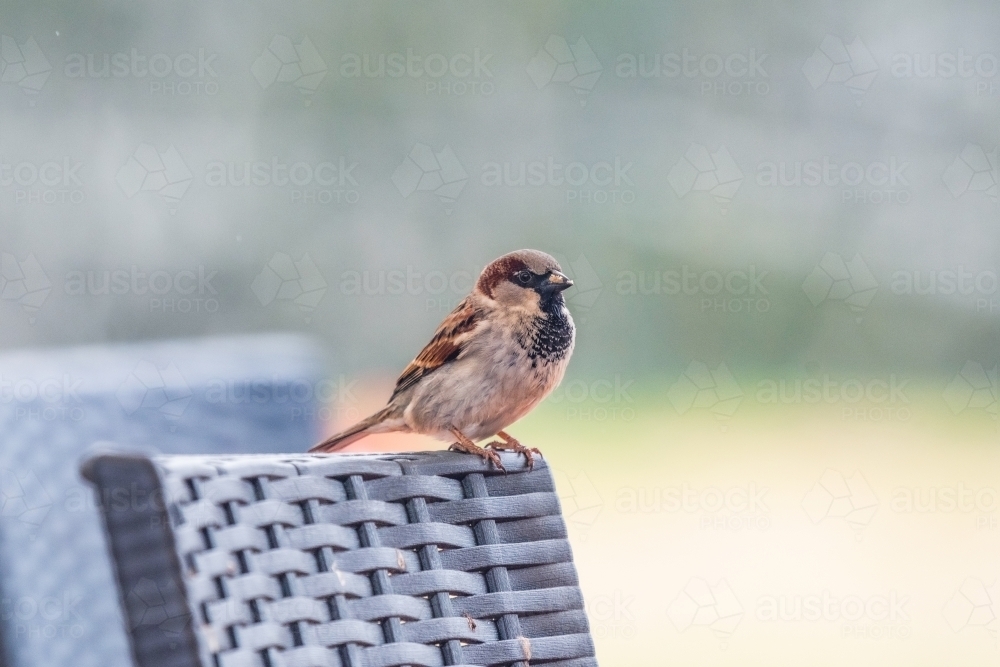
<point>353,434</point>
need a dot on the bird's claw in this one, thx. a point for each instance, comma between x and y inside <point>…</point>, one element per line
<point>513,445</point>
<point>486,454</point>
<point>495,457</point>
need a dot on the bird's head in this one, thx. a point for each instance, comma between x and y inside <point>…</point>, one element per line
<point>527,279</point>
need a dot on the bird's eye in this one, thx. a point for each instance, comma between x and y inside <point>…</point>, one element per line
<point>524,277</point>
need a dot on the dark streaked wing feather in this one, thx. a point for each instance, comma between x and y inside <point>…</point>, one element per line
<point>449,340</point>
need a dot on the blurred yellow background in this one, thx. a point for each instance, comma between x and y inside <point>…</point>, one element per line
<point>823,534</point>
<point>777,439</point>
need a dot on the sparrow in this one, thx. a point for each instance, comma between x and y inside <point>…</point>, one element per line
<point>502,350</point>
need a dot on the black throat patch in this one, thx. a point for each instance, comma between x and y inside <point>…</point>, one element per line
<point>549,338</point>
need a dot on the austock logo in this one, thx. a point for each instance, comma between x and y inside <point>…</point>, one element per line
<point>581,501</point>
<point>610,615</point>
<point>730,75</point>
<point>973,607</point>
<point>879,398</point>
<point>43,617</point>
<point>51,182</point>
<point>22,497</point>
<point>284,62</point>
<point>973,387</point>
<point>849,499</point>
<point>703,604</point>
<point>701,171</point>
<point>455,74</point>
<point>424,170</point>
<point>285,279</point>
<point>47,399</point>
<point>184,291</point>
<point>735,291</point>
<point>949,65</point>
<point>560,62</point>
<point>601,182</point>
<point>973,170</point>
<point>981,286</point>
<point>328,182</point>
<point>184,74</point>
<point>24,282</point>
<point>151,388</point>
<point>164,607</point>
<point>148,170</point>
<point>875,182</point>
<point>587,286</point>
<point>963,498</point>
<point>412,282</point>
<point>834,279</point>
<point>876,617</point>
<point>714,390</point>
<point>851,65</point>
<point>23,64</point>
<point>738,507</point>
<point>604,399</point>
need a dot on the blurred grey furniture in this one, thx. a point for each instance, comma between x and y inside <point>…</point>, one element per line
<point>342,561</point>
<point>59,600</point>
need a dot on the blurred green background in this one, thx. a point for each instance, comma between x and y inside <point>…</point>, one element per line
<point>782,222</point>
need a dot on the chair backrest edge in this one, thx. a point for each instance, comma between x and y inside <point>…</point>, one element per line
<point>150,583</point>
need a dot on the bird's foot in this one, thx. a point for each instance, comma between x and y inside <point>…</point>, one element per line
<point>512,445</point>
<point>463,444</point>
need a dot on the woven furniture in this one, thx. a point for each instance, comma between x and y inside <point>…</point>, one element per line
<point>60,602</point>
<point>343,560</point>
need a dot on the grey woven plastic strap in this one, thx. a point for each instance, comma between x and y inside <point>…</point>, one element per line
<point>375,561</point>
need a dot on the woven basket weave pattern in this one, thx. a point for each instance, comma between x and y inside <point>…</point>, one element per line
<point>375,561</point>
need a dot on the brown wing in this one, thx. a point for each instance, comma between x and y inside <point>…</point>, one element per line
<point>449,340</point>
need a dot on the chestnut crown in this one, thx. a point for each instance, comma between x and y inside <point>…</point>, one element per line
<point>520,271</point>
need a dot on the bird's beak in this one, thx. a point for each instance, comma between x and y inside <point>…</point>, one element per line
<point>558,282</point>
